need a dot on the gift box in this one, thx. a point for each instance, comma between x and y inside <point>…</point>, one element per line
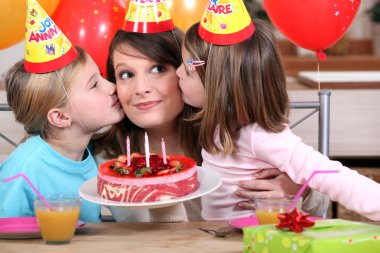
<point>331,235</point>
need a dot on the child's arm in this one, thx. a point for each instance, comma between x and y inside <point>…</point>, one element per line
<point>288,153</point>
<point>273,181</point>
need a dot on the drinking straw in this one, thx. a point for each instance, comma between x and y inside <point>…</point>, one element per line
<point>299,193</point>
<point>31,186</point>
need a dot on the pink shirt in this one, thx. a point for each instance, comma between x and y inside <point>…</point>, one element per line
<point>258,150</point>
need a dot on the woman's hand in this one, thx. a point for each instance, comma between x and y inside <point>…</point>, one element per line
<point>268,181</point>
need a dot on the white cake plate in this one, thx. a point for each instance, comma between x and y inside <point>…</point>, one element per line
<point>208,180</point>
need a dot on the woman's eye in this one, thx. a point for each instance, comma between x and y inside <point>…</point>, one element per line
<point>125,75</point>
<point>158,69</point>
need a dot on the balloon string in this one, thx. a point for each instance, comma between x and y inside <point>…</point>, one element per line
<point>319,81</point>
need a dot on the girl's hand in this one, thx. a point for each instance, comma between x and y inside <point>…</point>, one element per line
<point>269,181</point>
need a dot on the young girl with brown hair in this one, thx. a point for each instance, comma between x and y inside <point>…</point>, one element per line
<point>244,116</point>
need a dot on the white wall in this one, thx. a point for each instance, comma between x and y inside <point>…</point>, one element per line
<point>10,56</point>
<point>360,28</point>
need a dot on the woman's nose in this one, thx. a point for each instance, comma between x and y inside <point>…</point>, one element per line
<point>143,86</point>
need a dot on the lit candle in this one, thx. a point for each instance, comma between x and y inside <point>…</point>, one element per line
<point>147,155</point>
<point>163,150</point>
<point>128,151</point>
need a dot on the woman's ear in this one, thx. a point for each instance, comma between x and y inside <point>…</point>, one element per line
<point>59,118</point>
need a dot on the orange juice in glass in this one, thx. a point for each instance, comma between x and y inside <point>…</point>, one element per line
<point>268,207</point>
<point>58,222</point>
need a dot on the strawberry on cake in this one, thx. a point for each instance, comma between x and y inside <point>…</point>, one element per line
<point>138,183</point>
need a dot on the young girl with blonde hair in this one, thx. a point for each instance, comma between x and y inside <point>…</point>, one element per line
<point>244,123</point>
<point>62,100</point>
<point>60,112</point>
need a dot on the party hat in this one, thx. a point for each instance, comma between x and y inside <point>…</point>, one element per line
<point>148,16</point>
<point>46,47</point>
<point>225,22</point>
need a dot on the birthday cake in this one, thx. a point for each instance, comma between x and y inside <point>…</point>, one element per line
<point>136,182</point>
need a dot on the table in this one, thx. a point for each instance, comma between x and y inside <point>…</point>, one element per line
<point>137,237</point>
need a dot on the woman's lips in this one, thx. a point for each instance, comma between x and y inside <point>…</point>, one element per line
<point>147,105</point>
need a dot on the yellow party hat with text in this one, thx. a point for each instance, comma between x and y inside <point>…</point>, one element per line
<point>225,22</point>
<point>46,48</point>
<point>148,16</point>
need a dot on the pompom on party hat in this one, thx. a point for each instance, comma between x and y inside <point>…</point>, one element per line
<point>225,22</point>
<point>46,48</point>
<point>148,16</point>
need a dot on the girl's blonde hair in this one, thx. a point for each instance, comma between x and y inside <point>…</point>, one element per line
<point>245,83</point>
<point>31,96</point>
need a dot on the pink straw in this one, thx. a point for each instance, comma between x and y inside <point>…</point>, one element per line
<point>163,150</point>
<point>128,151</point>
<point>31,186</point>
<point>299,193</point>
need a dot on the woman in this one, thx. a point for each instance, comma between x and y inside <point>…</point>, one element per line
<point>143,67</point>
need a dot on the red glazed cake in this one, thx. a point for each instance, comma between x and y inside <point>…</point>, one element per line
<point>136,183</point>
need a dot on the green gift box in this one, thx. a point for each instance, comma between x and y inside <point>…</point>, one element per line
<point>333,235</point>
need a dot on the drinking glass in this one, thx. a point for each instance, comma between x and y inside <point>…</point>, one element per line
<point>59,220</point>
<point>269,206</point>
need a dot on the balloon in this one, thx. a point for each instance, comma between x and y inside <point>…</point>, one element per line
<point>186,12</point>
<point>312,24</point>
<point>91,25</point>
<point>13,16</point>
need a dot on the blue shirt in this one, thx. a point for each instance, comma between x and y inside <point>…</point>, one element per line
<point>50,172</point>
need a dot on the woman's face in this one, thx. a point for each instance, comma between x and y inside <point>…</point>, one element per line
<point>148,91</point>
<point>193,91</point>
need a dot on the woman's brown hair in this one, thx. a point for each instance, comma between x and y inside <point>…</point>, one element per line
<point>245,84</point>
<point>163,48</point>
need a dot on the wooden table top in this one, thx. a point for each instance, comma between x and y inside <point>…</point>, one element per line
<point>136,237</point>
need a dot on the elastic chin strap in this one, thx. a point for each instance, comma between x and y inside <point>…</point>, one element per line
<point>71,104</point>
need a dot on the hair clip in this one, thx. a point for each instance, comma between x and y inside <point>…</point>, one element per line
<point>193,63</point>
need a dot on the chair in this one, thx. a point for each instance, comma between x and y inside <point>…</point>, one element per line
<point>5,107</point>
<point>323,108</point>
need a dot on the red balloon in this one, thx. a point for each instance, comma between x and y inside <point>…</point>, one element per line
<point>312,24</point>
<point>91,25</point>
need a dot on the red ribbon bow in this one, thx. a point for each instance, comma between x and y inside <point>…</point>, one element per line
<point>295,220</point>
